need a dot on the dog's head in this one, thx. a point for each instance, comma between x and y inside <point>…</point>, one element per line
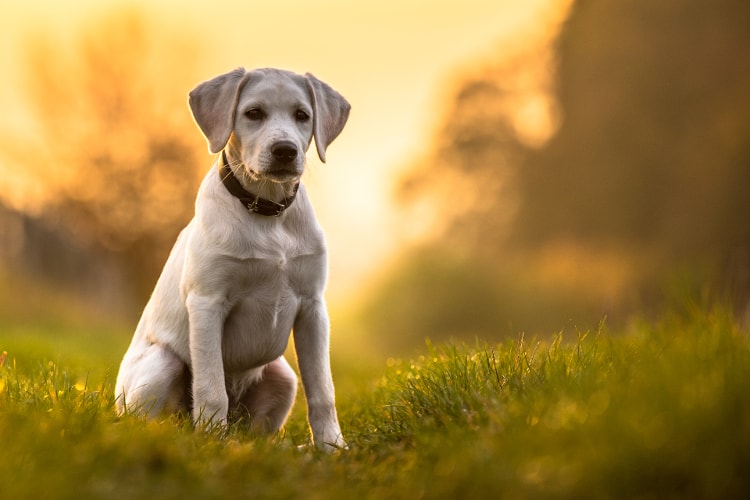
<point>267,118</point>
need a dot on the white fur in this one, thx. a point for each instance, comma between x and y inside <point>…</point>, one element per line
<point>212,336</point>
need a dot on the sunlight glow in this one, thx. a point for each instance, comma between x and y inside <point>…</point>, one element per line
<point>389,58</point>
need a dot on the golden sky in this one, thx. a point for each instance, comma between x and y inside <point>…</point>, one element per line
<point>392,59</point>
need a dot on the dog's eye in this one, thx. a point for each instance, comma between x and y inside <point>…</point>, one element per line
<point>301,116</point>
<point>255,114</point>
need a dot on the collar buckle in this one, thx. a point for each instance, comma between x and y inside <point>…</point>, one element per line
<point>271,208</point>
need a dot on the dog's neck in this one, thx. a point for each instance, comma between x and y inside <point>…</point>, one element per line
<point>259,186</point>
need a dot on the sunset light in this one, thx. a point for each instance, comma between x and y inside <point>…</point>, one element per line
<point>391,59</point>
<point>334,249</point>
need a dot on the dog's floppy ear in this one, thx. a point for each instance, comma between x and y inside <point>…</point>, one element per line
<point>330,111</point>
<point>213,104</point>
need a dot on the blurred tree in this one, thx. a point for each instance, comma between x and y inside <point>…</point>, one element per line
<point>654,147</point>
<point>468,178</point>
<point>117,155</point>
<point>651,159</point>
<point>654,150</point>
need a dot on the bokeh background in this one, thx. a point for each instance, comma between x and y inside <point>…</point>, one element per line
<point>508,166</point>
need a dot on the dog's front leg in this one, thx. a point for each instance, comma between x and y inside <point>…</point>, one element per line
<point>210,401</point>
<point>311,333</point>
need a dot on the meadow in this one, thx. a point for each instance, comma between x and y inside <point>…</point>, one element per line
<point>657,410</point>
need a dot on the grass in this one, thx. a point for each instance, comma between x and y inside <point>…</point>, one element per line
<point>659,411</point>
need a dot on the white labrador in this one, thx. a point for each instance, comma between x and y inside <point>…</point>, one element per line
<point>247,270</point>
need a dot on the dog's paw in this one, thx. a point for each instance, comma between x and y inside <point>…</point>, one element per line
<point>332,445</point>
<point>211,416</point>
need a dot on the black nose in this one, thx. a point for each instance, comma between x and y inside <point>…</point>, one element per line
<point>284,151</point>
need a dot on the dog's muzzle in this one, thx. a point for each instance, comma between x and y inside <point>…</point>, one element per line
<point>252,202</point>
<point>285,165</point>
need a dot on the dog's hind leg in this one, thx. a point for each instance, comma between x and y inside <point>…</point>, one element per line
<point>152,381</point>
<point>269,398</point>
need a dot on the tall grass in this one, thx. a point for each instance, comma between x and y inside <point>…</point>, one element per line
<point>659,411</point>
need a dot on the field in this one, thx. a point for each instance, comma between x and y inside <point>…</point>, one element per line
<point>660,410</point>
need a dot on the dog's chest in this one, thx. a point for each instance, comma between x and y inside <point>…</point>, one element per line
<point>264,298</point>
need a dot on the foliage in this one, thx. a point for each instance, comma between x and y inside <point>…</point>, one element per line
<point>659,412</point>
<point>653,144</point>
<point>647,168</point>
<point>114,143</point>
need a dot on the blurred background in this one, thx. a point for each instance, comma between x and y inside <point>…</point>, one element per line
<point>508,166</point>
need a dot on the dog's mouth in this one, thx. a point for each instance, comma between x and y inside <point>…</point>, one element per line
<point>277,175</point>
<point>284,174</point>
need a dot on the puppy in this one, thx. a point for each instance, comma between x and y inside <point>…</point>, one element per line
<point>248,269</point>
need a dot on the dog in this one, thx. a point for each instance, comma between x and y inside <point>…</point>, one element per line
<point>248,270</point>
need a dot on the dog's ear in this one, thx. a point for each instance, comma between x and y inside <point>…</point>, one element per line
<point>330,111</point>
<point>213,104</point>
